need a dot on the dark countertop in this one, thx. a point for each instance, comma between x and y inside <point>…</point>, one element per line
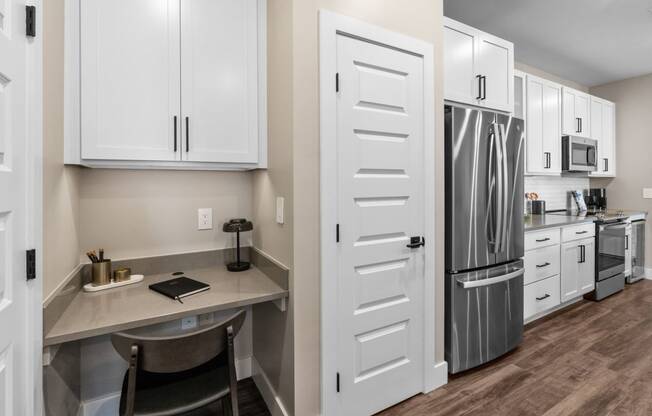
<point>535,222</point>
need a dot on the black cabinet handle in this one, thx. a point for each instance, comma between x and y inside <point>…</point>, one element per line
<point>543,239</point>
<point>582,253</point>
<point>175,134</point>
<point>626,242</point>
<point>581,126</point>
<point>484,87</point>
<point>544,297</point>
<point>416,242</point>
<point>479,77</point>
<point>187,134</point>
<point>606,164</point>
<point>548,160</point>
<point>541,266</point>
<point>581,232</point>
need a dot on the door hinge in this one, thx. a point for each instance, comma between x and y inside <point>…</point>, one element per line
<point>337,233</point>
<point>30,21</point>
<point>337,82</point>
<point>31,264</point>
<point>337,382</point>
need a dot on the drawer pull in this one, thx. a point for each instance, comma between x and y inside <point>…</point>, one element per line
<point>544,297</point>
<point>541,266</point>
<point>581,232</point>
<point>543,239</point>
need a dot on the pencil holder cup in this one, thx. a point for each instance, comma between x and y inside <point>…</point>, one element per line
<point>101,273</point>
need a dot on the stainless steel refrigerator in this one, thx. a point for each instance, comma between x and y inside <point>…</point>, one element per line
<point>484,235</point>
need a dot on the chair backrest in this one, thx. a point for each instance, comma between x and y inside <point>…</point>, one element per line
<point>176,353</point>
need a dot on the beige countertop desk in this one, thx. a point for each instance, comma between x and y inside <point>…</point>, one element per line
<point>133,306</point>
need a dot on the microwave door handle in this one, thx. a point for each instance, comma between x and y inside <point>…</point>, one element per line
<point>468,284</point>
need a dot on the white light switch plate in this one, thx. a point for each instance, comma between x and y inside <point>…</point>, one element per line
<point>205,219</point>
<point>647,193</point>
<point>280,206</point>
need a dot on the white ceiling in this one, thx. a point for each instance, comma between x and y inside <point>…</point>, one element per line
<point>591,42</point>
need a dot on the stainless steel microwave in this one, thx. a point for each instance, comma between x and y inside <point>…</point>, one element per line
<point>578,154</point>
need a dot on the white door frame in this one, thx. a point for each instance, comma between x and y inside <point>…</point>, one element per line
<point>34,217</point>
<point>330,25</point>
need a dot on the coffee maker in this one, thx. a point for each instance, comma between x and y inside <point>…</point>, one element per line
<point>596,199</point>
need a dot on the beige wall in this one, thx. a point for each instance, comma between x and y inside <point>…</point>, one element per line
<point>418,18</point>
<point>633,98</point>
<point>547,75</point>
<point>60,184</point>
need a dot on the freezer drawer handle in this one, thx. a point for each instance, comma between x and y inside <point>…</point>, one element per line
<point>543,240</point>
<point>486,282</point>
<point>544,297</point>
<point>541,266</point>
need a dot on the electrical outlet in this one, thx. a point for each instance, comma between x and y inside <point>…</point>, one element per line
<point>206,318</point>
<point>280,206</point>
<point>647,193</point>
<point>189,322</point>
<point>205,219</point>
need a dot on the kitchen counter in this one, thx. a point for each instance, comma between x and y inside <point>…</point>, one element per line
<point>538,222</point>
<point>91,314</point>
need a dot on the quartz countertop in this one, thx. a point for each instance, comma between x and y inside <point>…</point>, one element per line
<point>538,222</point>
<point>97,313</point>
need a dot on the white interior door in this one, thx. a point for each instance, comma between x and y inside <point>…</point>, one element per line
<point>219,54</point>
<point>380,146</point>
<point>130,79</point>
<point>13,196</point>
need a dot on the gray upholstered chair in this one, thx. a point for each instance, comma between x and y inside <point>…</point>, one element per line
<point>177,374</point>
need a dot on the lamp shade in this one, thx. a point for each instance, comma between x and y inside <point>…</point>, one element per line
<point>237,224</point>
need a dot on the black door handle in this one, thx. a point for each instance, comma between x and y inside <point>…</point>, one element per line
<point>175,134</point>
<point>187,134</point>
<point>606,164</point>
<point>416,242</point>
<point>479,77</point>
<point>484,87</point>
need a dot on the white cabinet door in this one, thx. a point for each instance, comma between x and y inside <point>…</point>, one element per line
<point>219,51</point>
<point>570,270</point>
<point>603,115</point>
<point>543,126</point>
<point>461,83</point>
<point>586,274</point>
<point>576,120</point>
<point>130,79</point>
<point>496,66</point>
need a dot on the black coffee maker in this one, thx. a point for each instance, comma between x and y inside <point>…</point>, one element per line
<point>596,199</point>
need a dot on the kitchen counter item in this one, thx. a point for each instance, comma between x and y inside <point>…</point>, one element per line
<point>538,207</point>
<point>101,273</point>
<point>122,274</point>
<point>134,278</point>
<point>539,222</point>
<point>237,226</point>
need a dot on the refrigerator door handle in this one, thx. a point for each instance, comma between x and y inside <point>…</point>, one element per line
<point>468,284</point>
<point>501,176</point>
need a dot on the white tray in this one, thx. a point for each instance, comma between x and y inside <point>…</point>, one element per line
<point>135,278</point>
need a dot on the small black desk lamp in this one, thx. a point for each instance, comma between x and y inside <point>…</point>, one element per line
<point>236,226</point>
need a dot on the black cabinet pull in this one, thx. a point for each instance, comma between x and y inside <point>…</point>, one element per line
<point>543,239</point>
<point>187,134</point>
<point>581,127</point>
<point>581,232</point>
<point>548,160</point>
<point>416,242</point>
<point>544,297</point>
<point>541,266</point>
<point>626,242</point>
<point>606,164</point>
<point>484,87</point>
<point>582,253</point>
<point>175,134</point>
<point>479,77</point>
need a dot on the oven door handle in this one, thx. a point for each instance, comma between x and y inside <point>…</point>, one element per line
<point>468,284</point>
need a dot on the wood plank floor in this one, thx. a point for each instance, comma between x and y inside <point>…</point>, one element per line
<point>251,402</point>
<point>594,358</point>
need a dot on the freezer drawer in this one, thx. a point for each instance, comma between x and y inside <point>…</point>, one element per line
<point>484,315</point>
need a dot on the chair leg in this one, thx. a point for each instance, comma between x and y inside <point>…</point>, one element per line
<point>131,381</point>
<point>233,385</point>
<point>226,407</point>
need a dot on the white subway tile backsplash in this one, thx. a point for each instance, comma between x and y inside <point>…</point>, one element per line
<point>554,189</point>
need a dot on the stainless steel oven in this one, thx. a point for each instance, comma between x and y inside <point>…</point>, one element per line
<point>579,154</point>
<point>613,242</point>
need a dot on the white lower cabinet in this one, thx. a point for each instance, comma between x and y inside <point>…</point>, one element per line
<point>540,296</point>
<point>577,268</point>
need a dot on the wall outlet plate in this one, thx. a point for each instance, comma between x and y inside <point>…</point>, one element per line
<point>647,193</point>
<point>205,219</point>
<point>189,322</point>
<point>280,207</point>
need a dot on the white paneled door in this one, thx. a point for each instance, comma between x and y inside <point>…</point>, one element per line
<point>13,190</point>
<point>380,146</point>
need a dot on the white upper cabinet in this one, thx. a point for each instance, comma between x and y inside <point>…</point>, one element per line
<point>603,129</point>
<point>130,81</point>
<point>219,77</point>
<point>478,67</point>
<point>543,124</point>
<point>576,119</point>
<point>168,83</point>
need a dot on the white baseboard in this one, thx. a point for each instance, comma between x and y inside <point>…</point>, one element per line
<point>108,405</point>
<point>648,273</point>
<point>436,377</point>
<point>273,402</point>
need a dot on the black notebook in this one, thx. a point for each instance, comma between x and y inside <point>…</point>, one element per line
<point>179,288</point>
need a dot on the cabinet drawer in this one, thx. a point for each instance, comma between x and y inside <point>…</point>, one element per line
<point>543,238</point>
<point>541,263</point>
<point>540,296</point>
<point>577,232</point>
